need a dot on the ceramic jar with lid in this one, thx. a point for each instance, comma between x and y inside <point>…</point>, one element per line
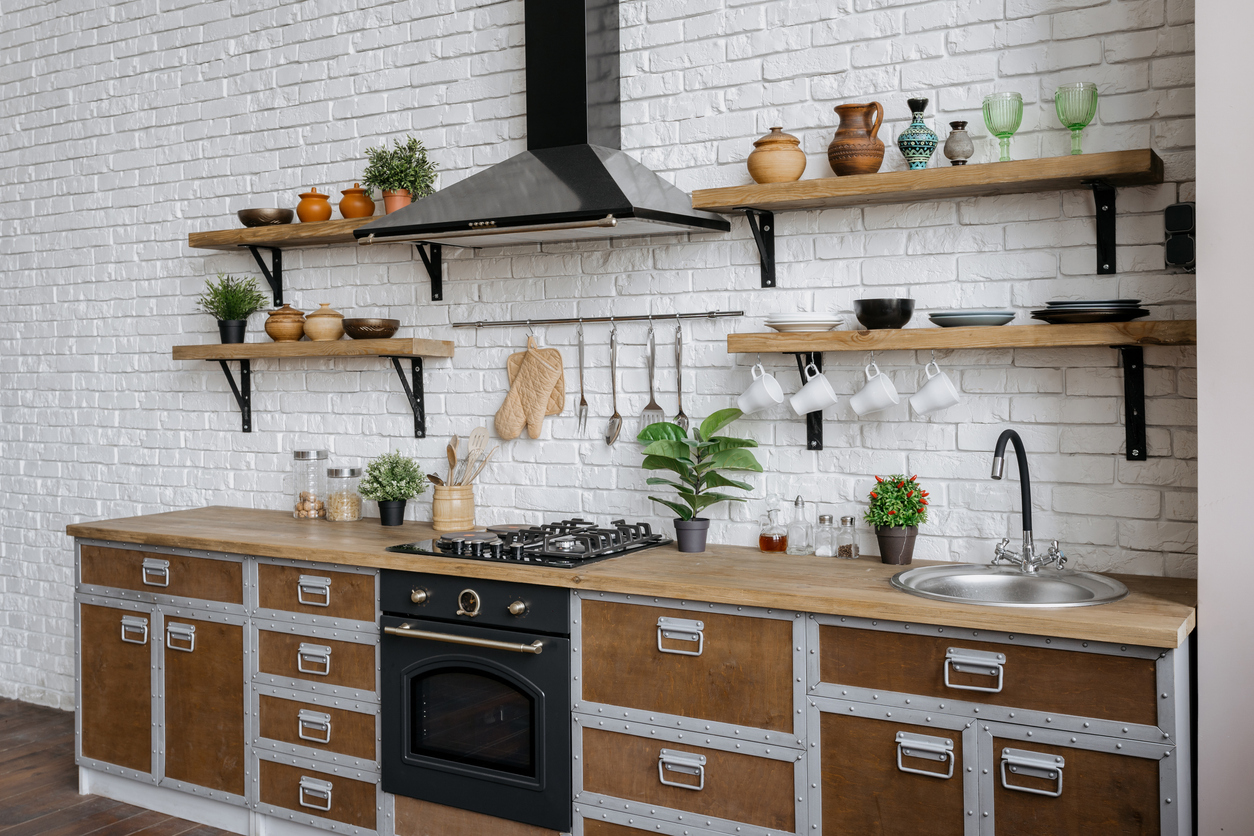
<point>324,324</point>
<point>356,203</point>
<point>313,207</point>
<point>309,484</point>
<point>777,158</point>
<point>285,324</point>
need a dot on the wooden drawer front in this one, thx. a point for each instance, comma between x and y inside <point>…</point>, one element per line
<point>347,595</point>
<point>344,732</point>
<point>182,577</point>
<point>424,818</point>
<point>742,677</point>
<point>1114,795</point>
<point>115,701</point>
<point>1035,678</point>
<point>638,827</point>
<point>351,665</point>
<point>737,787</point>
<point>351,802</point>
<point>864,790</point>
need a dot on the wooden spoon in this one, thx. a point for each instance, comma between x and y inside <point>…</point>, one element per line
<point>478,442</point>
<point>435,480</point>
<point>452,457</point>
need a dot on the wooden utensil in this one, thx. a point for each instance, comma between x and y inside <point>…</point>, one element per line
<point>452,456</point>
<point>486,458</point>
<point>435,480</point>
<point>478,442</point>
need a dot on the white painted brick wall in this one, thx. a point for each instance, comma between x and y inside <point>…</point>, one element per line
<point>126,125</point>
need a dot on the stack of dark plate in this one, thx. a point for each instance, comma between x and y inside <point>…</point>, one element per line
<point>1091,310</point>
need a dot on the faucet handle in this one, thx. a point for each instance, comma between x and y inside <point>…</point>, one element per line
<point>1056,555</point>
<point>1002,552</point>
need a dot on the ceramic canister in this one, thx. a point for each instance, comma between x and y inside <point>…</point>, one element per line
<point>917,142</point>
<point>777,158</point>
<point>324,324</point>
<point>356,202</point>
<point>285,324</point>
<point>313,207</point>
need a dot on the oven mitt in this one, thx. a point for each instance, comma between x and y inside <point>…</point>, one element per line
<point>529,394</point>
<point>557,400</point>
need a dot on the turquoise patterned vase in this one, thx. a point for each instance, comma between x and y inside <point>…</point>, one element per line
<point>917,142</point>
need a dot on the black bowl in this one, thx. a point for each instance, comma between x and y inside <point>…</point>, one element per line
<point>875,314</point>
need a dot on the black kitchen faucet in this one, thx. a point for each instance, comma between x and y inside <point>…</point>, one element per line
<point>1026,561</point>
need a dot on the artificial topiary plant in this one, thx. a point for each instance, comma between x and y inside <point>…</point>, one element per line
<point>697,462</point>
<point>897,502</point>
<point>231,299</point>
<point>403,166</point>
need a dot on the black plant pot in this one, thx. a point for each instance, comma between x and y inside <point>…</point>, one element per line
<point>392,511</point>
<point>232,330</point>
<point>896,544</point>
<point>691,534</point>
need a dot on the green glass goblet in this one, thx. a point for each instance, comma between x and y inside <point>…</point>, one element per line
<point>1076,105</point>
<point>1003,113</point>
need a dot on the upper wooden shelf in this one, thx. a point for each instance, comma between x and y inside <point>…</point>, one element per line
<point>280,236</point>
<point>1141,167</point>
<point>1167,332</point>
<point>407,347</point>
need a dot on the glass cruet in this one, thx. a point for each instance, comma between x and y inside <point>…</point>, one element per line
<point>800,531</point>
<point>772,537</point>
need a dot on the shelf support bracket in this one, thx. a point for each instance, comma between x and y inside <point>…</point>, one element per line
<point>762,224</point>
<point>273,275</point>
<point>243,392</point>
<point>417,399</point>
<point>1133,357</point>
<point>814,420</point>
<point>1104,200</point>
<point>435,269</point>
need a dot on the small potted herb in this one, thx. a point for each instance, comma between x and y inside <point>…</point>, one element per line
<point>232,301</point>
<point>898,506</point>
<point>403,173</point>
<point>697,462</point>
<point>391,480</point>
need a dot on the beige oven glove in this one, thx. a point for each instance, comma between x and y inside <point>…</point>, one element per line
<point>557,399</point>
<point>529,394</point>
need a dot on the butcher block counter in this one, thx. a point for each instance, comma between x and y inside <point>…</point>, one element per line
<point>1158,612</point>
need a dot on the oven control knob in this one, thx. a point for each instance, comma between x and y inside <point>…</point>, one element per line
<point>468,603</point>
<point>517,608</point>
<point>419,595</point>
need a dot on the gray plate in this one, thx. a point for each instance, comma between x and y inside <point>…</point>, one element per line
<point>972,320</point>
<point>1097,303</point>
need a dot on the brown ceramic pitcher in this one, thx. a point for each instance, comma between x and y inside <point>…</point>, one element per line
<point>856,149</point>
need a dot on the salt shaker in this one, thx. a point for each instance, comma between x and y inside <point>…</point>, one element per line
<point>825,537</point>
<point>847,539</point>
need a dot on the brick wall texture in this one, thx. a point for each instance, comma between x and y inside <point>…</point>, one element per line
<point>126,125</point>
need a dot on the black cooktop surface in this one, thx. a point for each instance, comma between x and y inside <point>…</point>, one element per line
<point>565,544</point>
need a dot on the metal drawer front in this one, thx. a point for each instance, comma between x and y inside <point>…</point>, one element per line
<point>347,664</point>
<point>322,727</point>
<point>174,575</point>
<point>316,592</point>
<point>317,793</point>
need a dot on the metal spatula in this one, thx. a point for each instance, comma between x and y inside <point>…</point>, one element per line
<point>653,413</point>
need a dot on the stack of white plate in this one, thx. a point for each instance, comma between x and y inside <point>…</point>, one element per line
<point>804,321</point>
<point>972,317</point>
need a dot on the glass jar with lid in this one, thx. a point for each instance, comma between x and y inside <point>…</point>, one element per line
<point>847,539</point>
<point>825,537</point>
<point>309,484</point>
<point>343,502</point>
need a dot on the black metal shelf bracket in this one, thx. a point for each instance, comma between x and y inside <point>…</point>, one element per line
<point>814,420</point>
<point>274,275</point>
<point>1104,200</point>
<point>1133,357</point>
<point>415,394</point>
<point>435,269</point>
<point>762,224</point>
<point>243,392</point>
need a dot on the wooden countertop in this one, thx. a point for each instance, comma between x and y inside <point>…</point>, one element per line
<point>1159,612</point>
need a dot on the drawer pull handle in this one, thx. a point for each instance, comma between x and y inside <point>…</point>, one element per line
<point>681,629</point>
<point>316,654</point>
<point>684,763</point>
<point>175,632</point>
<point>135,624</point>
<point>1034,765</point>
<point>156,569</point>
<point>977,662</point>
<point>318,791</point>
<point>928,748</point>
<point>319,590</point>
<point>319,725</point>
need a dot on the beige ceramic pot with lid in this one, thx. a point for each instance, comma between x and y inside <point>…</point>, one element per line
<point>777,158</point>
<point>285,324</point>
<point>324,324</point>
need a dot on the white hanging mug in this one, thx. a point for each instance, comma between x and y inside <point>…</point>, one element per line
<point>938,393</point>
<point>763,393</point>
<point>817,393</point>
<point>878,393</point>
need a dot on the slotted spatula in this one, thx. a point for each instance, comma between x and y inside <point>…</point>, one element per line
<point>653,413</point>
<point>478,442</point>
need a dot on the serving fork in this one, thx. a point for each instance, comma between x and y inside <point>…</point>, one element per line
<point>583,400</point>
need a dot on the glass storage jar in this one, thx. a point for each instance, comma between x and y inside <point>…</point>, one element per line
<point>309,484</point>
<point>825,537</point>
<point>343,502</point>
<point>847,539</point>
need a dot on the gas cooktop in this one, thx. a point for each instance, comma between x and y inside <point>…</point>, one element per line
<point>564,544</point>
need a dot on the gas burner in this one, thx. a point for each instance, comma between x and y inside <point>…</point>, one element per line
<point>565,544</point>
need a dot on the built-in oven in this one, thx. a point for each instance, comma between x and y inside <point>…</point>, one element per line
<point>476,695</point>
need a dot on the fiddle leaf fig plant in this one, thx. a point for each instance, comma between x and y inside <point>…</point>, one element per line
<point>697,462</point>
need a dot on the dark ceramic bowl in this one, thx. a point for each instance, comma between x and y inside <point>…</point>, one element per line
<point>264,217</point>
<point>875,314</point>
<point>371,329</point>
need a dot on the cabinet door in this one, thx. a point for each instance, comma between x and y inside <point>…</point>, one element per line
<point>115,685</point>
<point>204,703</point>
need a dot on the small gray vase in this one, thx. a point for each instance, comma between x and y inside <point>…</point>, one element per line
<point>958,147</point>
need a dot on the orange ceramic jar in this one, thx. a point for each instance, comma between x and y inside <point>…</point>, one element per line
<point>356,202</point>
<point>313,207</point>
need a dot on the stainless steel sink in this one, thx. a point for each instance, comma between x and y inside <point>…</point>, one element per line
<point>1006,586</point>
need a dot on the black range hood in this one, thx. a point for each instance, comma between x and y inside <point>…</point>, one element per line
<point>572,182</point>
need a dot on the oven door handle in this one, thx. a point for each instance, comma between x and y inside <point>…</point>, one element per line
<point>405,630</point>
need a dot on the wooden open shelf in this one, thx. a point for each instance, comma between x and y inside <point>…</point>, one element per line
<point>279,236</point>
<point>1141,167</point>
<point>407,347</point>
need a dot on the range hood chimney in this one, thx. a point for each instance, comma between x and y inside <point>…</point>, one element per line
<point>573,182</point>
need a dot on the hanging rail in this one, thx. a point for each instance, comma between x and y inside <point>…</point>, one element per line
<point>588,319</point>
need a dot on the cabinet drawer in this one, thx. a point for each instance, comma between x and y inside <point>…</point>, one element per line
<point>164,574</point>
<point>320,727</point>
<point>1034,678</point>
<point>733,786</point>
<point>611,824</point>
<point>348,664</point>
<point>316,793</point>
<point>742,675</point>
<point>316,592</point>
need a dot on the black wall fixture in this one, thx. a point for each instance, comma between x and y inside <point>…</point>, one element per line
<point>1180,225</point>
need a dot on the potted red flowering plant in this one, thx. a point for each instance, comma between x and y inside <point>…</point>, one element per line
<point>897,507</point>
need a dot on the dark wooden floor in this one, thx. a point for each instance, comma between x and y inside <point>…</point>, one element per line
<point>39,784</point>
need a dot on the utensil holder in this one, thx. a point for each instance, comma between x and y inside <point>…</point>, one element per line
<point>453,507</point>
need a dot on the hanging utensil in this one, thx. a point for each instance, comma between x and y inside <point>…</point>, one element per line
<point>478,443</point>
<point>482,464</point>
<point>583,401</point>
<point>653,413</point>
<point>615,425</point>
<point>681,419</point>
<point>453,444</point>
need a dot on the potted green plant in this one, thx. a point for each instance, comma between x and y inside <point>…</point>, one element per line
<point>403,173</point>
<point>232,301</point>
<point>696,462</point>
<point>898,506</point>
<point>392,480</point>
